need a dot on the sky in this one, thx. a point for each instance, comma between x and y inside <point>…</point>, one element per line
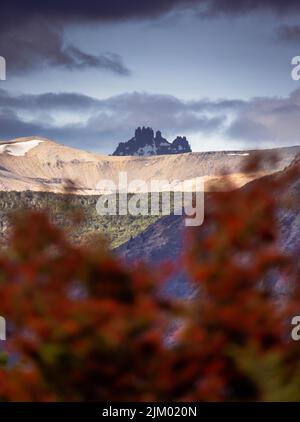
<point>215,71</point>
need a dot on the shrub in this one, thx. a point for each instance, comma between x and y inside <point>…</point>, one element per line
<point>84,327</point>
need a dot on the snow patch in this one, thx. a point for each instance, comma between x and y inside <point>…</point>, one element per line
<point>240,154</point>
<point>146,150</point>
<point>19,149</point>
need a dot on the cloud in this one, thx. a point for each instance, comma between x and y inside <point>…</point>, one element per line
<point>48,101</point>
<point>100,124</point>
<point>37,44</point>
<point>92,10</point>
<point>113,10</point>
<point>288,33</point>
<point>11,123</point>
<point>268,121</point>
<point>32,37</point>
<point>241,7</point>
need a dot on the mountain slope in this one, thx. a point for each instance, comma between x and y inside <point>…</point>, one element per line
<point>39,164</point>
<point>76,214</point>
<point>164,239</point>
<point>161,242</point>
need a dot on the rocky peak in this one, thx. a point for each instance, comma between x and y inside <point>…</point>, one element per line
<point>181,144</point>
<point>144,136</point>
<point>145,143</point>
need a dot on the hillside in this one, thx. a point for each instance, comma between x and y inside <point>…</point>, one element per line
<point>160,242</point>
<point>34,173</point>
<point>164,239</point>
<point>75,213</point>
<point>38,164</point>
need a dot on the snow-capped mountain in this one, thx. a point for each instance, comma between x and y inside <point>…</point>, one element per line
<point>144,143</point>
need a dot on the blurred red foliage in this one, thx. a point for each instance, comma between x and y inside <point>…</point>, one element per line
<point>83,327</point>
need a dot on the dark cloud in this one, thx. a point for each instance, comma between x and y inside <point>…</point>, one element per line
<point>48,102</point>
<point>240,7</point>
<point>90,10</point>
<point>135,102</point>
<point>112,10</point>
<point>11,123</point>
<point>37,44</point>
<point>288,33</point>
<point>13,126</point>
<point>32,32</point>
